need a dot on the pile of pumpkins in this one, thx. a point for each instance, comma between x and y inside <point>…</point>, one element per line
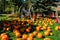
<point>28,29</point>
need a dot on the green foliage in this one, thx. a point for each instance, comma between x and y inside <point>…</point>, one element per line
<point>43,5</point>
<point>38,5</point>
<point>11,35</point>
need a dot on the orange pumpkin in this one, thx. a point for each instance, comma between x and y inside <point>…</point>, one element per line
<point>17,34</point>
<point>46,38</point>
<point>59,27</point>
<point>38,28</point>
<point>35,33</point>
<point>40,35</point>
<point>3,34</point>
<point>31,35</point>
<point>0,36</point>
<point>49,30</point>
<point>22,23</point>
<point>24,36</point>
<point>18,39</point>
<point>51,34</point>
<point>46,33</point>
<point>29,38</point>
<point>44,27</point>
<point>4,37</point>
<point>27,30</point>
<point>56,28</point>
<point>51,23</point>
<point>14,31</point>
<point>29,22</point>
<point>8,28</point>
<point>48,27</point>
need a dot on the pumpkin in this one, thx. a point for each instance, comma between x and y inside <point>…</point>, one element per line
<point>27,30</point>
<point>28,20</point>
<point>29,38</point>
<point>35,33</point>
<point>17,34</point>
<point>49,30</point>
<point>48,27</point>
<point>56,28</point>
<point>46,33</point>
<point>31,35</point>
<point>3,34</point>
<point>4,37</point>
<point>24,36</point>
<point>46,38</point>
<point>51,23</point>
<point>40,35</point>
<point>59,27</point>
<point>44,27</point>
<point>0,36</point>
<point>18,38</point>
<point>51,34</point>
<point>37,28</point>
<point>14,31</point>
<point>8,28</point>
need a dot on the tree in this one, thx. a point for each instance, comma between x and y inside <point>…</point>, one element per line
<point>44,6</point>
<point>10,5</point>
<point>2,6</point>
